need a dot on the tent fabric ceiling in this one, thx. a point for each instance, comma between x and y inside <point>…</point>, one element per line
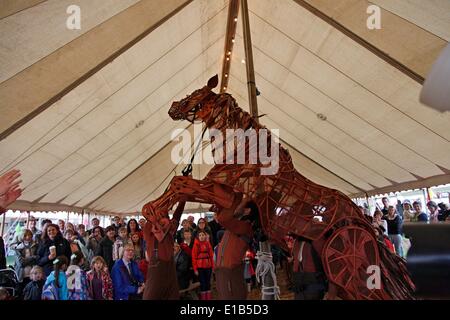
<point>415,49</point>
<point>53,76</point>
<point>10,7</point>
<point>43,30</point>
<point>105,146</point>
<point>433,16</point>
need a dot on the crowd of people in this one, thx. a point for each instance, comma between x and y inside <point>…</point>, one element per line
<point>63,261</point>
<point>60,261</point>
<point>389,219</point>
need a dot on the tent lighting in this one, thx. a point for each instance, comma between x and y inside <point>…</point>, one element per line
<point>139,124</point>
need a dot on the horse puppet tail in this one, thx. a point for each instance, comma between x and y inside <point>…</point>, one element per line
<point>396,277</point>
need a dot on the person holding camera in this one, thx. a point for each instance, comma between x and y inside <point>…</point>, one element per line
<point>128,281</point>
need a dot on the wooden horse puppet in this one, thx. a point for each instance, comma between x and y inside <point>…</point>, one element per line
<point>288,203</point>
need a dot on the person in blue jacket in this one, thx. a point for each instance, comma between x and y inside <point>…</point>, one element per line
<point>128,281</point>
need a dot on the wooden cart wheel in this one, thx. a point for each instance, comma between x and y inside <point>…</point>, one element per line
<point>346,257</point>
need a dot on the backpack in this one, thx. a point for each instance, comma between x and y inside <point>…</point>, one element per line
<point>50,292</point>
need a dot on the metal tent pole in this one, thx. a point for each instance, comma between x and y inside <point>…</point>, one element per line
<point>3,223</point>
<point>265,262</point>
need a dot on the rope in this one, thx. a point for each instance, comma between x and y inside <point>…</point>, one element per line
<point>265,266</point>
<point>188,169</point>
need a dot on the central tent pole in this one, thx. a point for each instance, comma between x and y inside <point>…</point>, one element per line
<point>265,269</point>
<point>253,104</point>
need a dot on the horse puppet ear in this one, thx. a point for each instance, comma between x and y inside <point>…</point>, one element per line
<point>213,82</point>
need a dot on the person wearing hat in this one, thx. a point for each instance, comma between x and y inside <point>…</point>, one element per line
<point>435,215</point>
<point>408,213</point>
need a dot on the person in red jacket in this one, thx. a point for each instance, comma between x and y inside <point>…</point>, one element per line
<point>384,238</point>
<point>203,263</point>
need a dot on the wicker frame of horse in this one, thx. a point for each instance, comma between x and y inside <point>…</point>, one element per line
<point>289,203</point>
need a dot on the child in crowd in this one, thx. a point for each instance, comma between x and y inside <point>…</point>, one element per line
<point>379,232</point>
<point>138,247</point>
<point>121,240</point>
<point>55,287</point>
<point>202,262</point>
<point>187,243</point>
<point>249,271</point>
<point>33,290</point>
<point>76,278</point>
<point>99,281</point>
<point>69,226</point>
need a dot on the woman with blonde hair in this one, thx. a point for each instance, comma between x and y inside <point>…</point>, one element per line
<point>26,256</point>
<point>99,281</point>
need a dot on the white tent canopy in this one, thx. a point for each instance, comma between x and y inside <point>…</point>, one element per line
<point>84,112</point>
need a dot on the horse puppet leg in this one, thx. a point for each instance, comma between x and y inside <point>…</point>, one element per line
<point>201,191</point>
